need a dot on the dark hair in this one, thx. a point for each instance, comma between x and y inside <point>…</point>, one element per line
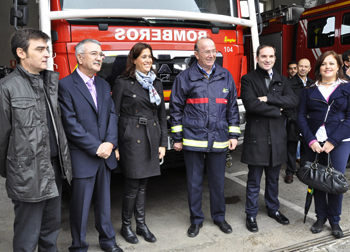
<point>319,61</point>
<point>196,44</point>
<point>292,62</point>
<point>345,55</point>
<point>134,53</point>
<point>20,39</point>
<point>262,47</point>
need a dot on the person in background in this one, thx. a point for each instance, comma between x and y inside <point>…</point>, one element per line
<point>205,123</point>
<point>265,94</point>
<point>91,127</point>
<point>292,69</point>
<point>297,83</point>
<point>324,122</point>
<point>34,154</point>
<point>346,64</point>
<point>139,102</point>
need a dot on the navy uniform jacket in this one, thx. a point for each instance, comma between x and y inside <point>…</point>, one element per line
<point>204,112</point>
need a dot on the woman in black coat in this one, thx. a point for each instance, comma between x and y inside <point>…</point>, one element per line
<point>139,102</point>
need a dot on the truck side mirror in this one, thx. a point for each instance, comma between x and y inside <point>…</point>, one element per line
<point>19,14</point>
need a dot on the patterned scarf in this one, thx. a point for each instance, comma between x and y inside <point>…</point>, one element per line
<point>146,82</point>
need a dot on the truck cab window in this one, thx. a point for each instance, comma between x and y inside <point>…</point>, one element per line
<point>320,32</point>
<point>345,30</point>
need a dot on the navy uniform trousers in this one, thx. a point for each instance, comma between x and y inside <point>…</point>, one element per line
<point>328,206</point>
<point>215,164</point>
<point>253,188</point>
<point>37,224</point>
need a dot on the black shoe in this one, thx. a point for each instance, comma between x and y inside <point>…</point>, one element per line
<point>336,231</point>
<point>251,224</point>
<point>128,235</point>
<point>114,248</point>
<point>224,227</point>
<point>193,230</point>
<point>280,218</point>
<point>288,179</point>
<point>317,227</point>
<point>144,231</point>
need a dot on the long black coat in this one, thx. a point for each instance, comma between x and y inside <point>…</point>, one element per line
<point>265,133</point>
<point>293,132</point>
<point>139,143</point>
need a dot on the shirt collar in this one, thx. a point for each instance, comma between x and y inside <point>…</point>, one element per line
<point>84,77</point>
<point>208,74</point>
<point>270,73</point>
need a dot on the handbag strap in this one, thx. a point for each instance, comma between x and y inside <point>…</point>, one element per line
<point>329,162</point>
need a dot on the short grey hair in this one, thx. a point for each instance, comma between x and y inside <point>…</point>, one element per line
<point>80,47</point>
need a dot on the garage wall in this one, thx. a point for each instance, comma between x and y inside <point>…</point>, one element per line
<point>6,29</point>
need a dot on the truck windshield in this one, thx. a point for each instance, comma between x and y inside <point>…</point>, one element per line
<point>222,7</point>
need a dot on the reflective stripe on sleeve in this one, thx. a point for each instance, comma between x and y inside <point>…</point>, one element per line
<point>197,100</point>
<point>220,145</point>
<point>177,128</point>
<point>195,143</point>
<point>234,129</point>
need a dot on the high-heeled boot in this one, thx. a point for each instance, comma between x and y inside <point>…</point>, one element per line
<point>129,199</point>
<point>141,227</point>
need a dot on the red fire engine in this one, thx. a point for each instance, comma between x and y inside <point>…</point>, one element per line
<point>170,27</point>
<point>297,32</point>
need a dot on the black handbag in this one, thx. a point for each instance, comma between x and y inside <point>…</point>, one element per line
<point>324,178</point>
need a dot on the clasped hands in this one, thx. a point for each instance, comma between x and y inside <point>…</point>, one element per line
<point>327,147</point>
<point>104,150</point>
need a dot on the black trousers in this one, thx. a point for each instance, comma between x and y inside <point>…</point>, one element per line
<point>292,156</point>
<point>38,224</point>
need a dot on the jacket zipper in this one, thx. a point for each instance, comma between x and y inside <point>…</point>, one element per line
<point>329,107</point>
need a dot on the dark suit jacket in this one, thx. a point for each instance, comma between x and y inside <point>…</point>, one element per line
<point>85,127</point>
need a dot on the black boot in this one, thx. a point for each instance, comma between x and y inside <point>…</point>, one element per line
<point>129,199</point>
<point>141,227</point>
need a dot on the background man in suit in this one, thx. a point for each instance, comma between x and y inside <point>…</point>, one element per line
<point>34,153</point>
<point>297,83</point>
<point>91,127</point>
<point>292,69</point>
<point>265,93</point>
<point>346,64</point>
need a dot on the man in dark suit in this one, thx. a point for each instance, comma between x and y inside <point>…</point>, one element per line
<point>91,127</point>
<point>265,94</point>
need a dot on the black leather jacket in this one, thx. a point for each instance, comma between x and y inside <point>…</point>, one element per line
<point>25,159</point>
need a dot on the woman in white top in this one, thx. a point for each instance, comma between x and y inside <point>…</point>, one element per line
<point>324,122</point>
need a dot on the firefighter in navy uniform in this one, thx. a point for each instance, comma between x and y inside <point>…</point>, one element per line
<point>205,123</point>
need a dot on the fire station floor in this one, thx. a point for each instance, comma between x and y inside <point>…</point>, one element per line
<point>167,216</point>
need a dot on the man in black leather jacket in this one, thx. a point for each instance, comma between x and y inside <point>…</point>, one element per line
<point>34,153</point>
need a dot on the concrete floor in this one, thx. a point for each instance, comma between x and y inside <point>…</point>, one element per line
<point>168,218</point>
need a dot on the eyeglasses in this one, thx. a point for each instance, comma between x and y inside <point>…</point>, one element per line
<point>95,54</point>
<point>207,52</point>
